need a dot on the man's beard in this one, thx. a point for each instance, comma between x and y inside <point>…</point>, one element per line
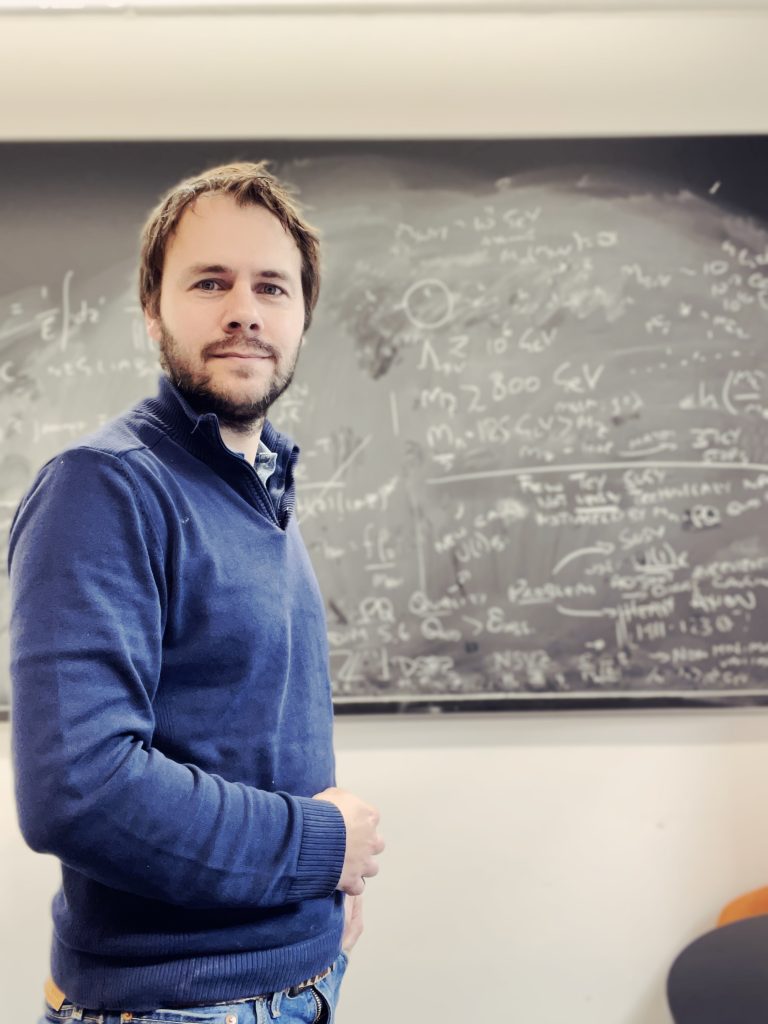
<point>195,385</point>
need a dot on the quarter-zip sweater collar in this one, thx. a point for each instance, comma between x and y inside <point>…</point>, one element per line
<point>200,434</point>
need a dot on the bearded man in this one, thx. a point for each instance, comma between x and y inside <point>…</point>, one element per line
<point>172,713</point>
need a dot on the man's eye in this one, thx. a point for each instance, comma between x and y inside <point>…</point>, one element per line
<point>208,285</point>
<point>272,289</point>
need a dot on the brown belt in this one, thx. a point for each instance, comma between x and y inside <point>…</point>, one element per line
<point>56,998</point>
<point>295,989</point>
<point>53,994</point>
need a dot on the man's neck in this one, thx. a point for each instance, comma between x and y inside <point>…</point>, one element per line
<point>242,441</point>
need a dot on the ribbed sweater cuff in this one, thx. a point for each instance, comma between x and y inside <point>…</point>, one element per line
<point>323,844</point>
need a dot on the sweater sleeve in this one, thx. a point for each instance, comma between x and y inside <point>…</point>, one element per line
<point>87,615</point>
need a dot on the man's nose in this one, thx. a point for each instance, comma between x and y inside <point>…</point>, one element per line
<point>242,312</point>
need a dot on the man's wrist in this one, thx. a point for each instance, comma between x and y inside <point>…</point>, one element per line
<point>323,846</point>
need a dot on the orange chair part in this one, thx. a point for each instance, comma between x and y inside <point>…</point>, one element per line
<point>751,904</point>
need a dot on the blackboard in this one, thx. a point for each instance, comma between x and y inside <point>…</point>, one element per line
<point>533,405</point>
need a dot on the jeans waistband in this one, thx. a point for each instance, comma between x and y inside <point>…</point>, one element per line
<point>56,998</point>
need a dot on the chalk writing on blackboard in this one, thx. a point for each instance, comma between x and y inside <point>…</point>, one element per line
<point>533,413</point>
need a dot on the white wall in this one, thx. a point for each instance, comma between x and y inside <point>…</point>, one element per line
<point>272,76</point>
<point>541,868</point>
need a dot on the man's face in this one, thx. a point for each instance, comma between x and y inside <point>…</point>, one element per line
<point>231,316</point>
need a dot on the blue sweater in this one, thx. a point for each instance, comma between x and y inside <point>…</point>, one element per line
<point>172,717</point>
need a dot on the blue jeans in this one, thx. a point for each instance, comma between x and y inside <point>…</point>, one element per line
<point>313,1005</point>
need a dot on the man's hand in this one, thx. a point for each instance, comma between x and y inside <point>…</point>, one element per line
<point>353,922</point>
<point>363,839</point>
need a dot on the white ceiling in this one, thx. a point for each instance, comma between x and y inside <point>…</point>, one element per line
<point>373,6</point>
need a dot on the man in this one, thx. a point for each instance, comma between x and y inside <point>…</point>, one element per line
<point>172,715</point>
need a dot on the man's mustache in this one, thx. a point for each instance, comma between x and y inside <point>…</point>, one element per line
<point>237,343</point>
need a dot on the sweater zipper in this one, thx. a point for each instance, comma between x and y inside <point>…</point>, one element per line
<point>256,479</point>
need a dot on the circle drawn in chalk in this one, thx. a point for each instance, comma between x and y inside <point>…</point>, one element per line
<point>428,303</point>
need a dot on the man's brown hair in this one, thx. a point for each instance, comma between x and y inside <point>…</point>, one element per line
<point>250,184</point>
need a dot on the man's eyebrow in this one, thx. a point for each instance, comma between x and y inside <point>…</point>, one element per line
<point>281,275</point>
<point>208,268</point>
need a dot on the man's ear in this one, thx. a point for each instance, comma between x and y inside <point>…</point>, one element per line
<point>152,324</point>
